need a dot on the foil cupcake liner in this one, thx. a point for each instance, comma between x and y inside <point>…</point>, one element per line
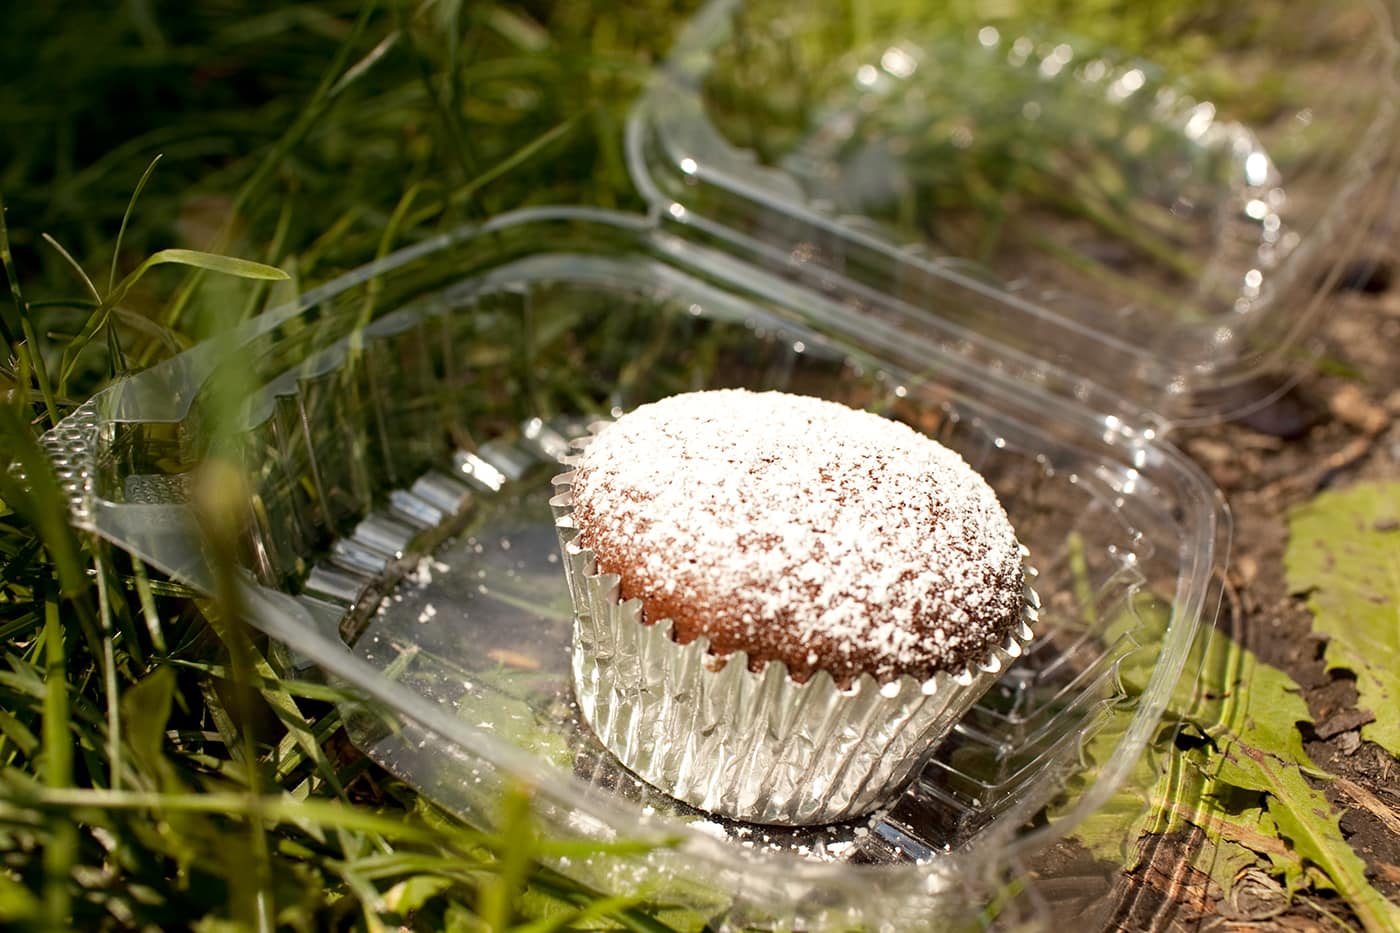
<point>758,747</point>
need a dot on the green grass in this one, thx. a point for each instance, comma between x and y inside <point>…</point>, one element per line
<point>154,771</point>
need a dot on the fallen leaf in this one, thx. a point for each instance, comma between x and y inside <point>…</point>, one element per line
<point>1343,554</point>
<point>1257,747</point>
<point>1306,819</point>
<point>1168,791</point>
<point>1240,782</point>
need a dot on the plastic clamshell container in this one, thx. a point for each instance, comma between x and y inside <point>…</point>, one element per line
<point>398,428</point>
<point>511,335</point>
<point>1169,190</point>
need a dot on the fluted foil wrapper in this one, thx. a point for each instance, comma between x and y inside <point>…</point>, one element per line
<point>757,747</point>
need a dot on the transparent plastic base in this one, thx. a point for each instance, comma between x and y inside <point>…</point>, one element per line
<point>400,542</point>
<point>484,627</point>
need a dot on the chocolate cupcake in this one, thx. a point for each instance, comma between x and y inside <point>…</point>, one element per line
<point>782,603</point>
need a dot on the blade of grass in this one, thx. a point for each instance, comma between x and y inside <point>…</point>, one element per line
<point>304,689</point>
<point>223,722</point>
<point>258,293</point>
<point>357,70</point>
<point>517,27</point>
<point>516,159</point>
<point>397,863</point>
<point>210,262</point>
<point>24,680</point>
<point>335,232</point>
<point>116,358</point>
<point>7,329</point>
<point>77,267</point>
<point>148,605</point>
<point>386,243</point>
<point>127,637</point>
<point>629,918</point>
<point>496,899</point>
<point>593,909</point>
<point>126,216</point>
<point>109,674</point>
<point>61,850</point>
<point>30,354</point>
<point>220,494</point>
<point>17,734</point>
<point>17,903</point>
<point>74,304</point>
<point>19,629</point>
<point>450,121</point>
<point>21,557</point>
<point>271,808</point>
<point>330,87</point>
<point>300,735</point>
<point>368,897</point>
<point>172,341</point>
<point>146,707</point>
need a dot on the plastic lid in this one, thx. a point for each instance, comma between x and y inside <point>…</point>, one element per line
<point>1158,201</point>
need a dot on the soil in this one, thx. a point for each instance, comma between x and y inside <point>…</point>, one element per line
<point>1338,426</point>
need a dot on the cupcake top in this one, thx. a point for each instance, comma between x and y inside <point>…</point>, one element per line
<point>802,531</point>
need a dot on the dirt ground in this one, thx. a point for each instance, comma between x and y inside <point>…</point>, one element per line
<point>1338,426</point>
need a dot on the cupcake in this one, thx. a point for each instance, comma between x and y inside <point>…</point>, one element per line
<point>782,603</point>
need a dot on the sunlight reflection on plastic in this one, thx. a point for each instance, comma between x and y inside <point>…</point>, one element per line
<point>1055,62</point>
<point>1131,82</point>
<point>1020,50</point>
<point>1256,168</point>
<point>898,62</point>
<point>1202,115</point>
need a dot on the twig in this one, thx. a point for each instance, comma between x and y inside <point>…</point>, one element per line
<point>1340,460</point>
<point>1370,802</point>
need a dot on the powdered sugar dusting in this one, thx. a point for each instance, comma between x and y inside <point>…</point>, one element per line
<point>801,531</point>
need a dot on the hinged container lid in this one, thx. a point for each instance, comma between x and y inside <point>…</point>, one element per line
<point>1157,198</point>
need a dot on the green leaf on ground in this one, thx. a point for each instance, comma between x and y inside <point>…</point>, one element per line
<point>1305,818</point>
<point>1112,830</point>
<point>1344,553</point>
<point>1243,784</point>
<point>1168,792</point>
<point>1250,712</point>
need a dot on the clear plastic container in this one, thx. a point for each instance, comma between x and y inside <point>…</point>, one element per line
<point>1169,189</point>
<point>399,427</point>
<point>504,339</point>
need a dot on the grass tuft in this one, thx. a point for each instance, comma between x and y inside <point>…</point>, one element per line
<point>155,771</point>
